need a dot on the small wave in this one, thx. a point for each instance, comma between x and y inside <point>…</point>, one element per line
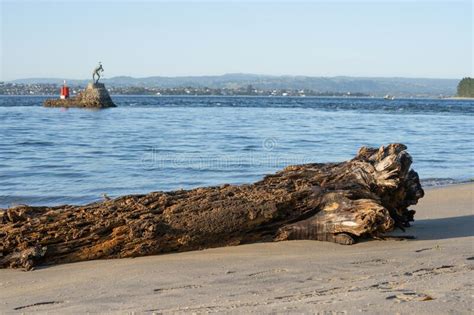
<point>36,143</point>
<point>436,182</point>
<point>32,200</point>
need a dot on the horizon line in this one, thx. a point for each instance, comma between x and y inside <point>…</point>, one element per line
<point>242,73</point>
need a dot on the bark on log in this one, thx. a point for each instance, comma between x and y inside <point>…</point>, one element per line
<point>340,202</point>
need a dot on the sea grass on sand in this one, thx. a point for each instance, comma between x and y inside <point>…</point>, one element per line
<point>339,202</point>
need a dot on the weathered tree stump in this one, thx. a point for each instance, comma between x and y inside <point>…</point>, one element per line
<point>339,202</point>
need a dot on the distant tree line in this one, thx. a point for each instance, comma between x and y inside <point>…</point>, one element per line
<point>466,87</point>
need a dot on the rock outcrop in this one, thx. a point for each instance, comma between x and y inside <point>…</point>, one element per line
<point>94,96</point>
<point>339,202</point>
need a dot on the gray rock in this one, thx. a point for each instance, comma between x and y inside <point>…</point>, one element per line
<point>94,96</point>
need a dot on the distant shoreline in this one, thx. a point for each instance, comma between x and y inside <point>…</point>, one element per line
<point>245,84</point>
<point>261,96</point>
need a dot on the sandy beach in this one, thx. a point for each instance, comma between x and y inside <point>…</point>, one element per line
<point>431,274</point>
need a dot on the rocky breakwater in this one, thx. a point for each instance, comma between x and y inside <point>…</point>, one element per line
<point>94,96</point>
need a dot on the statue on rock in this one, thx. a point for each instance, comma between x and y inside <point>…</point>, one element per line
<point>97,72</point>
<point>95,95</point>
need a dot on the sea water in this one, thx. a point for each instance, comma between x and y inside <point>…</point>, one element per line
<point>52,156</point>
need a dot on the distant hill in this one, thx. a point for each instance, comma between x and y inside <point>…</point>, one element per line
<point>398,87</point>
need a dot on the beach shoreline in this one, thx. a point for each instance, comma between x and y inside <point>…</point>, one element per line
<point>456,184</point>
<point>460,98</point>
<point>427,275</point>
<point>446,183</point>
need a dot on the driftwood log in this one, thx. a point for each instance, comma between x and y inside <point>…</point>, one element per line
<point>339,202</point>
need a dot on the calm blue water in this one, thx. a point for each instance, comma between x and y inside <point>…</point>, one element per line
<point>54,156</point>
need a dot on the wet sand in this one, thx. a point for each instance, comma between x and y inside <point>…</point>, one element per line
<point>432,274</point>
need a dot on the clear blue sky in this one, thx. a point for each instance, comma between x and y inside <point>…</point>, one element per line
<point>319,38</point>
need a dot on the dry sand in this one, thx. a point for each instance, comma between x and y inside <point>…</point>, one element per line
<point>429,275</point>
